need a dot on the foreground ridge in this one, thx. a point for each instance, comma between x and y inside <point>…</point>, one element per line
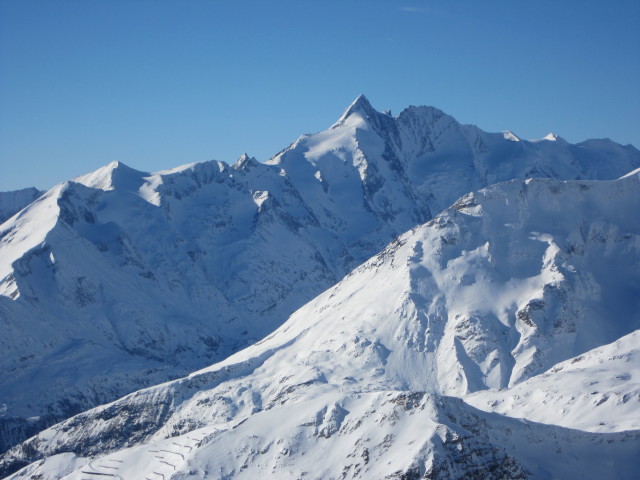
<point>361,382</point>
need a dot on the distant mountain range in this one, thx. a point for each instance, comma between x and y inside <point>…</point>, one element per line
<point>120,279</point>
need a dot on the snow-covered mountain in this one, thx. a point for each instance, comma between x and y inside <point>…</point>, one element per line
<point>412,166</point>
<point>506,300</point>
<point>121,279</point>
<point>12,202</point>
<point>598,391</point>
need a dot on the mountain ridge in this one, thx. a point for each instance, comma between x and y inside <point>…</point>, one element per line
<point>393,341</point>
<point>14,201</point>
<point>202,260</point>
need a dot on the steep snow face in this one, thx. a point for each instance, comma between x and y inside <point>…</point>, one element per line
<point>20,235</point>
<point>597,391</point>
<point>120,279</point>
<point>366,202</point>
<point>115,175</point>
<point>494,291</point>
<point>391,173</point>
<point>12,202</point>
<point>501,287</point>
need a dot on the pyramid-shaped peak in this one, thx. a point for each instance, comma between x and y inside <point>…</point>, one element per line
<point>111,176</point>
<point>550,137</point>
<point>244,161</point>
<point>361,102</point>
<point>360,105</point>
<point>122,167</point>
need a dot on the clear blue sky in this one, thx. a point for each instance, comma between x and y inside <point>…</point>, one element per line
<point>158,83</point>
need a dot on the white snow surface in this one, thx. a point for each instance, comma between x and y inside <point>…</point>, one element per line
<point>14,201</point>
<point>510,136</point>
<point>121,279</point>
<point>508,294</point>
<point>598,391</point>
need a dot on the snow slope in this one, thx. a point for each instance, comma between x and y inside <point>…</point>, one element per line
<point>598,391</point>
<point>412,166</point>
<point>12,202</point>
<point>123,292</point>
<point>394,435</point>
<point>121,279</point>
<point>495,292</point>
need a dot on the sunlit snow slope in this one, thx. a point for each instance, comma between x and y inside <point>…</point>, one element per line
<point>12,202</point>
<point>511,288</point>
<point>121,279</point>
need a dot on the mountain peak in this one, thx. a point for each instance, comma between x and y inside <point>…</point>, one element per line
<point>509,135</point>
<point>360,105</point>
<point>362,102</point>
<point>117,164</point>
<point>244,161</point>
<point>552,137</point>
<point>111,176</point>
<point>14,201</point>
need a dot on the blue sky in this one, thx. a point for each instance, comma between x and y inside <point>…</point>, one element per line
<point>157,83</point>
